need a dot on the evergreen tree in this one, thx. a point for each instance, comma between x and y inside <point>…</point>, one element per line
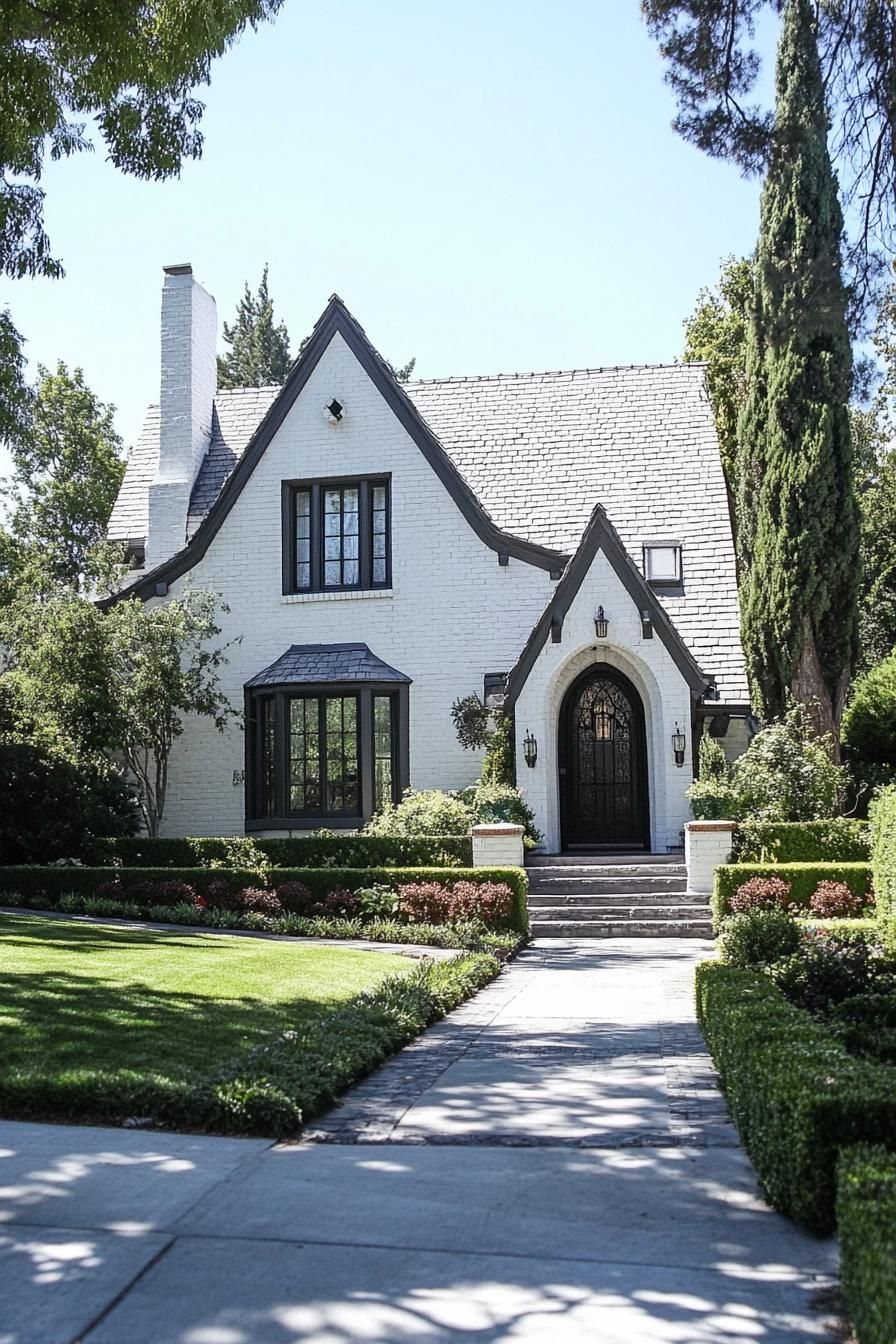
<point>259,348</point>
<point>797,511</point>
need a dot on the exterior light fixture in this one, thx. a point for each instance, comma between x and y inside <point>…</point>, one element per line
<point>603,720</point>
<point>679,742</point>
<point>335,411</point>
<point>530,749</point>
<point>646,625</point>
<point>601,624</point>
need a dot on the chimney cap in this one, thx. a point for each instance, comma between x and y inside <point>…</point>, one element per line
<point>182,268</point>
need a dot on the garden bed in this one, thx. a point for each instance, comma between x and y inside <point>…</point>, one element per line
<point>227,1035</point>
<point>802,879</point>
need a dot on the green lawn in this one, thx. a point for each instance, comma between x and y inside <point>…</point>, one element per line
<point>84,1002</point>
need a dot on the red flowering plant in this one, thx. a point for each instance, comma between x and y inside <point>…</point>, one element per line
<point>761,893</point>
<point>835,900</point>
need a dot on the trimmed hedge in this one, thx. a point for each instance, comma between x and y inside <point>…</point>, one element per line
<point>274,1088</point>
<point>866,1222</point>
<point>296,851</point>
<point>797,1097</point>
<point>839,840</point>
<point>883,861</point>
<point>51,883</point>
<point>803,879</point>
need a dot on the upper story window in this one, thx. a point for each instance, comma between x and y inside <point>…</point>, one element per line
<point>662,563</point>
<point>336,535</point>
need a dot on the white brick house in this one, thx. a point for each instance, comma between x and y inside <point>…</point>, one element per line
<point>385,550</point>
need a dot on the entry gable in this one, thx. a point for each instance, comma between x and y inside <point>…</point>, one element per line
<point>600,535</point>
<point>336,319</point>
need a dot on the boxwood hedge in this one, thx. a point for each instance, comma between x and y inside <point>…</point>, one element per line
<point>798,1099</point>
<point>803,879</point>
<point>292,851</point>
<point>48,884</point>
<point>837,840</point>
<point>866,1223</point>
<point>883,861</point>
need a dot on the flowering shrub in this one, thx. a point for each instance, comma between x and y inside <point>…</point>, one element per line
<point>834,900</point>
<point>758,937</point>
<point>295,897</point>
<point>338,902</point>
<point>152,892</point>
<point>761,893</point>
<point>437,903</point>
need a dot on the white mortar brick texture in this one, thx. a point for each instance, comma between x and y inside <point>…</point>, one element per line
<point>454,613</point>
<point>492,850</point>
<point>188,382</point>
<point>705,851</point>
<point>648,665</point>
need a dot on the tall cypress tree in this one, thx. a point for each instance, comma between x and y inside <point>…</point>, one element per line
<point>798,516</point>
<point>259,348</point>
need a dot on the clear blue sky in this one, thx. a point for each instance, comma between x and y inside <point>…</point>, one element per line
<point>490,187</point>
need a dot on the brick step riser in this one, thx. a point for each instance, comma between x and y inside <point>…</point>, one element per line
<point>570,886</point>
<point>606,874</point>
<point>604,860</point>
<point>638,913</point>
<point>559,901</point>
<point>618,929</point>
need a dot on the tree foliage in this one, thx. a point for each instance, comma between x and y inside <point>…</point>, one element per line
<point>798,535</point>
<point>67,469</point>
<point>713,68</point>
<point>163,664</point>
<point>869,724</point>
<point>129,68</point>
<point>259,347</point>
<point>715,334</point>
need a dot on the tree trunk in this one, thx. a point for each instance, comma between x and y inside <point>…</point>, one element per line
<point>809,688</point>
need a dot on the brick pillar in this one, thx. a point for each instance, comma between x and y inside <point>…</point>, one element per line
<point>707,845</point>
<point>498,845</point>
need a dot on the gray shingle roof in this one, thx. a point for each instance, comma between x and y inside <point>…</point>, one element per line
<point>539,450</point>
<point>326,662</point>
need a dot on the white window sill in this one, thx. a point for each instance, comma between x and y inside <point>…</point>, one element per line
<point>352,595</point>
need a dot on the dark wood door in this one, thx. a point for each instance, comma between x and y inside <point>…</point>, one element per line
<point>603,763</point>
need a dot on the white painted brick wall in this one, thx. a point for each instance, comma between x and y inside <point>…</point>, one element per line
<point>453,614</point>
<point>648,664</point>
<point>188,382</point>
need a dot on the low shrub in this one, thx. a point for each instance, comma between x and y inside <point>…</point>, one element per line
<point>502,802</point>
<point>803,878</point>
<point>422,812</point>
<point>758,937</point>
<point>715,800</point>
<point>869,722</point>
<point>826,969</point>
<point>788,774</point>
<point>324,850</point>
<point>883,861</point>
<point>760,893</point>
<point>796,1095</point>
<point>444,903</point>
<point>378,902</point>
<point>866,1025</point>
<point>835,840</point>
<point>835,900</point>
<point>866,1224</point>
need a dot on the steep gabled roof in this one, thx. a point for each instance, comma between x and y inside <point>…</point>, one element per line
<point>600,535</point>
<point>336,319</point>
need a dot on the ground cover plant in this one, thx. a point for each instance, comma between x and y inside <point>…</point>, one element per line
<point>193,1030</point>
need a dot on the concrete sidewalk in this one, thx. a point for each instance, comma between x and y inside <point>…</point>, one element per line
<point>552,1163</point>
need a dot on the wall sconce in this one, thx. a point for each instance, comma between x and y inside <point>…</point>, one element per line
<point>679,742</point>
<point>530,749</point>
<point>601,624</point>
<point>646,625</point>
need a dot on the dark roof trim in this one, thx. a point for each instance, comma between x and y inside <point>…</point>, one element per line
<point>337,319</point>
<point>600,535</point>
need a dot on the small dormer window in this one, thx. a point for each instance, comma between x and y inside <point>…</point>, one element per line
<point>662,563</point>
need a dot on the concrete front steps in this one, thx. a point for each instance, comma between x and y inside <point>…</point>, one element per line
<point>614,896</point>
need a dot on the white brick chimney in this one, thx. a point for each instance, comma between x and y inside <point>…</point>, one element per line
<point>189,382</point>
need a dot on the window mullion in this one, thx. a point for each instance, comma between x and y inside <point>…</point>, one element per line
<point>365,536</point>
<point>317,545</point>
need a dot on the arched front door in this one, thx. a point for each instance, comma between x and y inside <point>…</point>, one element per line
<point>603,763</point>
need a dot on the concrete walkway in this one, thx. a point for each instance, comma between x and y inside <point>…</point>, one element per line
<point>552,1163</point>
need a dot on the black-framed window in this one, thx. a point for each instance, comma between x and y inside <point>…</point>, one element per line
<point>324,755</point>
<point>336,535</point>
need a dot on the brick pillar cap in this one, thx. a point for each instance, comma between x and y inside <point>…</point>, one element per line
<point>498,828</point>
<point>710,825</point>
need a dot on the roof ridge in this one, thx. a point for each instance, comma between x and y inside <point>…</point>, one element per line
<point>557,373</point>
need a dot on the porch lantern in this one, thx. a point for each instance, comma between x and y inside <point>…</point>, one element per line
<point>530,749</point>
<point>601,624</point>
<point>679,742</point>
<point>603,720</point>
